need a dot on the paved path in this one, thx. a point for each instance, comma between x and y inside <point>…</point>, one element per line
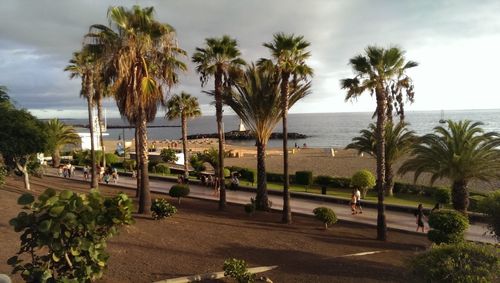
<point>397,220</point>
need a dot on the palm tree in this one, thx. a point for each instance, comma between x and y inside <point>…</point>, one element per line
<point>461,153</point>
<point>4,97</point>
<point>257,102</point>
<point>290,55</point>
<point>183,106</point>
<point>142,55</point>
<point>59,135</point>
<point>376,72</point>
<point>81,65</point>
<point>398,142</point>
<point>220,58</point>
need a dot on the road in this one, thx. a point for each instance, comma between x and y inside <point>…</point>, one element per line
<point>397,220</point>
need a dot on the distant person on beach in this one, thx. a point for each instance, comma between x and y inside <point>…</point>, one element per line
<point>419,214</point>
<point>353,203</point>
<point>358,201</point>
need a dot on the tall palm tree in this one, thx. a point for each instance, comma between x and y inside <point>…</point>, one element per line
<point>4,97</point>
<point>81,65</point>
<point>398,142</point>
<point>257,102</point>
<point>376,72</point>
<point>462,152</point>
<point>143,57</point>
<point>290,55</point>
<point>220,58</point>
<point>183,106</point>
<point>59,135</point>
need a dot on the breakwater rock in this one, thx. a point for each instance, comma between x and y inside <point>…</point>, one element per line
<point>245,135</point>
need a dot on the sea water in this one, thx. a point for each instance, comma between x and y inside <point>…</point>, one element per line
<point>323,129</point>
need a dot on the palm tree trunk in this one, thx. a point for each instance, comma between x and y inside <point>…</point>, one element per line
<point>56,158</point>
<point>220,131</point>
<point>93,171</point>
<point>287,212</point>
<point>99,117</point>
<point>137,161</point>
<point>460,196</point>
<point>261,200</point>
<point>184,146</point>
<point>389,179</point>
<point>145,195</point>
<point>381,121</point>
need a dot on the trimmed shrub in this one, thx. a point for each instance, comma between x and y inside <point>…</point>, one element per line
<point>160,208</point>
<point>178,191</point>
<point>64,234</point>
<point>227,173</point>
<point>237,269</point>
<point>463,262</point>
<point>249,174</point>
<point>278,178</point>
<point>447,226</point>
<point>304,178</point>
<point>129,164</point>
<point>152,166</point>
<point>474,203</point>
<point>112,158</point>
<point>323,181</point>
<point>442,195</point>
<point>341,182</point>
<point>325,215</point>
<point>363,180</point>
<point>168,155</point>
<point>162,169</point>
<point>197,163</point>
<point>490,205</point>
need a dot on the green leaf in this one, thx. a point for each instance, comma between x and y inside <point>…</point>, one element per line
<point>55,258</point>
<point>45,225</point>
<point>56,210</point>
<point>66,194</point>
<point>51,200</point>
<point>75,251</point>
<point>12,260</point>
<point>25,199</point>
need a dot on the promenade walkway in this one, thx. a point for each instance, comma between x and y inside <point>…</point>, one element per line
<point>404,221</point>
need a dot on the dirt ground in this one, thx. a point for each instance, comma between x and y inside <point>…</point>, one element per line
<point>199,238</point>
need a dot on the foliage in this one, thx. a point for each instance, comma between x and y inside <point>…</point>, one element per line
<point>491,207</point>
<point>363,180</point>
<point>160,208</point>
<point>178,191</point>
<point>197,163</point>
<point>251,206</point>
<point>162,169</point>
<point>462,262</point>
<point>112,158</point>
<point>442,195</point>
<point>227,173</point>
<point>447,226</point>
<point>325,215</point>
<point>182,106</point>
<point>304,178</point>
<point>129,164</point>
<point>59,134</point>
<point>65,234</point>
<point>237,269</point>
<point>460,152</point>
<point>323,180</point>
<point>474,203</point>
<point>168,155</point>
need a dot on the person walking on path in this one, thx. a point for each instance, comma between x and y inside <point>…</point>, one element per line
<point>216,184</point>
<point>71,170</point>
<point>85,172</point>
<point>358,201</point>
<point>114,176</point>
<point>353,203</point>
<point>419,214</point>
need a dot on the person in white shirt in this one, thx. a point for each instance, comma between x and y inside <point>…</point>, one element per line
<point>358,201</point>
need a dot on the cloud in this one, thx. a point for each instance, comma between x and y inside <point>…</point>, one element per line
<point>37,39</point>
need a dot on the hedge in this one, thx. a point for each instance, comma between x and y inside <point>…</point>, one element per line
<point>304,178</point>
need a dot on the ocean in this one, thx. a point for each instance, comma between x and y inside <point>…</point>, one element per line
<point>323,129</point>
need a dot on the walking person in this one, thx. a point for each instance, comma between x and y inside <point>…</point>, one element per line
<point>358,201</point>
<point>85,172</point>
<point>216,186</point>
<point>419,214</point>
<point>353,203</point>
<point>114,176</point>
<point>71,169</point>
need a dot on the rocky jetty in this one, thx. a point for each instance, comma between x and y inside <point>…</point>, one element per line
<point>245,135</point>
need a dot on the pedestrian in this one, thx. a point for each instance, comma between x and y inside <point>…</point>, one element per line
<point>210,181</point>
<point>235,182</point>
<point>106,177</point>
<point>114,176</point>
<point>101,172</point>
<point>60,171</point>
<point>358,201</point>
<point>65,171</point>
<point>203,180</point>
<point>180,179</point>
<point>419,215</point>
<point>353,203</point>
<point>71,169</point>
<point>216,184</point>
<point>85,172</point>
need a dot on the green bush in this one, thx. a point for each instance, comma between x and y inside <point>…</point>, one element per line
<point>237,269</point>
<point>304,178</point>
<point>447,226</point>
<point>363,180</point>
<point>197,163</point>
<point>442,195</point>
<point>129,164</point>
<point>278,178</point>
<point>474,203</point>
<point>64,234</point>
<point>249,174</point>
<point>325,215</point>
<point>323,180</point>
<point>227,173</point>
<point>490,205</point>
<point>162,169</point>
<point>178,191</point>
<point>463,262</point>
<point>160,208</point>
<point>168,155</point>
<point>341,182</point>
<point>112,158</point>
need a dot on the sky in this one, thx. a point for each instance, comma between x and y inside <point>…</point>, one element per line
<point>456,44</point>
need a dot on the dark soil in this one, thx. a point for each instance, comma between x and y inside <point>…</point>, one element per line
<point>199,238</point>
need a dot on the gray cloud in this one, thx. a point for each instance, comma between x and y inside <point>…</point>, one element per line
<point>37,38</point>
